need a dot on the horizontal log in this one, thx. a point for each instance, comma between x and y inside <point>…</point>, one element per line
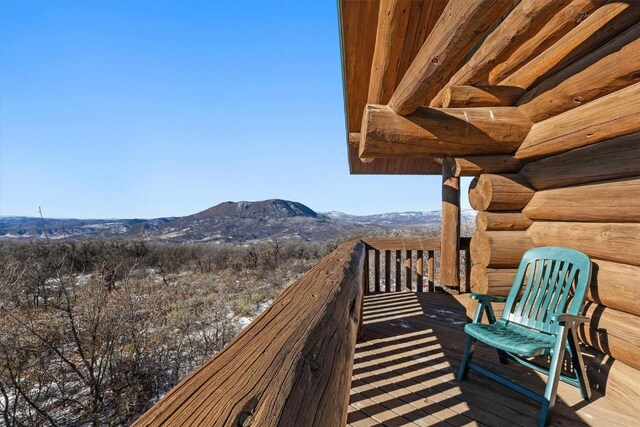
<point>460,27</point>
<point>441,131</point>
<point>471,309</point>
<point>481,96</point>
<point>522,23</point>
<point>491,192</point>
<point>393,19</point>
<point>613,332</point>
<point>611,67</point>
<point>602,25</point>
<point>560,24</point>
<point>501,221</point>
<point>616,158</point>
<point>611,242</point>
<point>609,201</point>
<point>492,281</point>
<point>613,378</point>
<point>291,366</point>
<point>615,285</point>
<point>605,118</point>
<point>477,165</point>
<point>499,249</point>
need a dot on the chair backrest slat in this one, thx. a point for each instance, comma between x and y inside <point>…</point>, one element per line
<point>549,280</point>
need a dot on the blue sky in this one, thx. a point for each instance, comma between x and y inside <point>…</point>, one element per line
<point>155,108</point>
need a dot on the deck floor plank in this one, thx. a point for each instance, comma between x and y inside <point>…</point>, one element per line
<point>404,373</point>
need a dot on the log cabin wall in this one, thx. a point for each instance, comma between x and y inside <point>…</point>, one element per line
<point>586,198</point>
<point>579,183</point>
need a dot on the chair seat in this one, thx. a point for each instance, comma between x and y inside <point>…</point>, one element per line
<point>512,338</point>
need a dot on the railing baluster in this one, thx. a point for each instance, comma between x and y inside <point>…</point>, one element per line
<point>387,271</point>
<point>365,268</point>
<point>376,271</point>
<point>398,270</point>
<point>407,270</point>
<point>467,271</point>
<point>419,271</point>
<point>431,267</point>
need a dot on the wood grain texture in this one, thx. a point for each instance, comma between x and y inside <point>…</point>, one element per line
<point>499,249</point>
<point>602,25</point>
<point>501,221</point>
<point>481,96</point>
<point>609,201</point>
<point>359,20</point>
<point>557,26</point>
<point>612,159</point>
<point>460,27</point>
<point>398,166</point>
<point>613,66</point>
<point>290,366</point>
<point>393,19</point>
<point>492,192</point>
<point>615,285</point>
<point>450,228</point>
<point>610,242</point>
<point>522,24</point>
<point>605,118</point>
<point>441,131</point>
<point>492,281</point>
<point>477,165</point>
<point>613,332</point>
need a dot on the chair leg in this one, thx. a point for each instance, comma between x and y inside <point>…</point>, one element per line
<point>554,377</point>
<point>466,358</point>
<point>502,355</point>
<point>578,365</point>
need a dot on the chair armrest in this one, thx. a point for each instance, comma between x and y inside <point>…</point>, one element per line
<point>569,318</point>
<point>487,298</point>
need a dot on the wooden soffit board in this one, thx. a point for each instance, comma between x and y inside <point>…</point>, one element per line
<point>358,27</point>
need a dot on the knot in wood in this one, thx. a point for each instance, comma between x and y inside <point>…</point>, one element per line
<point>435,60</point>
<point>245,419</point>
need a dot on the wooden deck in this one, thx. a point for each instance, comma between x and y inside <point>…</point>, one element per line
<point>404,373</point>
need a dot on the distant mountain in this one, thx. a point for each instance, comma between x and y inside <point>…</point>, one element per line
<point>399,219</point>
<point>229,222</point>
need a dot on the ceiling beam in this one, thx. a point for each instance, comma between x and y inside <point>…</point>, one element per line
<point>602,25</point>
<point>393,19</point>
<point>557,26</point>
<point>524,21</point>
<point>481,96</point>
<point>460,27</point>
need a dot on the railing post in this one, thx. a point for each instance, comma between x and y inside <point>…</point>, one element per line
<point>407,269</point>
<point>398,270</point>
<point>467,270</point>
<point>365,270</point>
<point>387,271</point>
<point>419,271</point>
<point>376,269</point>
<point>431,268</point>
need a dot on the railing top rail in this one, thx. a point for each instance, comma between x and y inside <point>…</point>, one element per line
<point>409,243</point>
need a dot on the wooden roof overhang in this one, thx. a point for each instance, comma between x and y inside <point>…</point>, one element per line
<point>469,80</point>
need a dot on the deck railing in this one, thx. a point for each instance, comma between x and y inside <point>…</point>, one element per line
<point>292,365</point>
<point>394,264</point>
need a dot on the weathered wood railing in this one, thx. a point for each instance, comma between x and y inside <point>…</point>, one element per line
<point>394,264</point>
<point>290,367</point>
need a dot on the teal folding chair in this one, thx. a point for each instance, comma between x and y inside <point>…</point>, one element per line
<point>540,318</point>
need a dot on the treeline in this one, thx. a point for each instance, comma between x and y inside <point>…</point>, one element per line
<point>93,332</point>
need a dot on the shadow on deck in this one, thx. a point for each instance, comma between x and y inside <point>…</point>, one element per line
<point>404,373</point>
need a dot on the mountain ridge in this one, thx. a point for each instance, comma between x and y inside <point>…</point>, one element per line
<point>227,222</point>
